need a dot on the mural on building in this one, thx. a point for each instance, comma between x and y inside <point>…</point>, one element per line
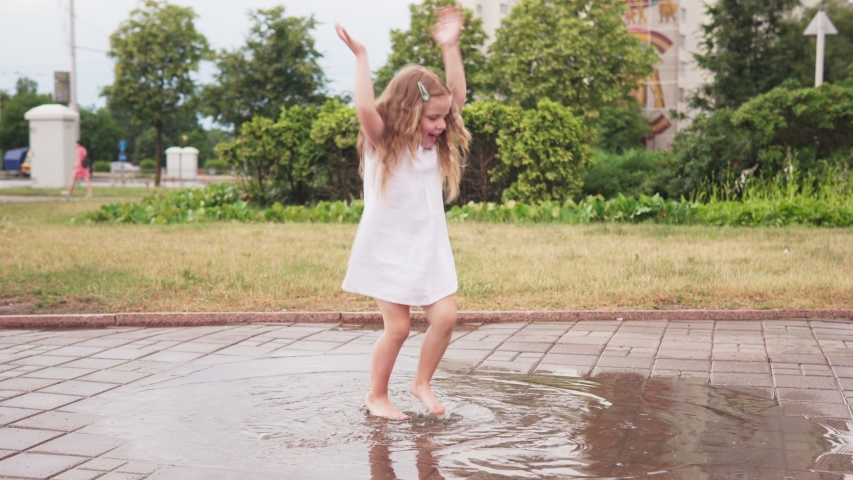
<point>654,23</point>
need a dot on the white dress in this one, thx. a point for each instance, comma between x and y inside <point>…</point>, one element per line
<point>401,252</point>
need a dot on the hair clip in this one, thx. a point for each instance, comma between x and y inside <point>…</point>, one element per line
<point>424,93</point>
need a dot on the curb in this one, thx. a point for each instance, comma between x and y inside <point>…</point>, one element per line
<point>231,318</point>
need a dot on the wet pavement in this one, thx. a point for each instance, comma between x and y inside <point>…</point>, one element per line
<point>598,399</point>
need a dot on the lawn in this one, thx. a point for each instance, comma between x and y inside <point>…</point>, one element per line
<point>51,263</point>
<point>80,191</point>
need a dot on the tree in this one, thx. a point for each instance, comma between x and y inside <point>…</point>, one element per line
<point>486,121</point>
<point>334,134</point>
<point>622,128</point>
<point>544,155</point>
<point>100,133</point>
<point>740,48</point>
<point>416,46</point>
<point>14,128</point>
<point>574,52</point>
<point>156,52</point>
<point>276,68</point>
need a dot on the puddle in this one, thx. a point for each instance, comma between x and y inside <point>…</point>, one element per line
<point>303,418</point>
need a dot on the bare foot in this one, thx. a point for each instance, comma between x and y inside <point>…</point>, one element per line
<point>425,395</point>
<point>381,406</point>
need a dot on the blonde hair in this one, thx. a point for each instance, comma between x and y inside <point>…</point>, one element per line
<point>401,107</point>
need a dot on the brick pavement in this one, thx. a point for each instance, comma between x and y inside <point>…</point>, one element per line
<point>807,365</point>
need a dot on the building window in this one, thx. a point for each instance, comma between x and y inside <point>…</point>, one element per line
<point>683,14</point>
<point>682,41</point>
<point>504,8</point>
<point>680,94</point>
<point>479,9</point>
<point>682,67</point>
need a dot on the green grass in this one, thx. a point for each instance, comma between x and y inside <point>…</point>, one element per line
<point>80,191</point>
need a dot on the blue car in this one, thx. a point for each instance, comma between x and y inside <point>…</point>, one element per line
<point>17,161</point>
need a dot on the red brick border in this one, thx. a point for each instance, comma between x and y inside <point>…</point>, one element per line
<point>229,318</point>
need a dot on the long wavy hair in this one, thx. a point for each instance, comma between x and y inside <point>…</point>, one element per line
<point>401,107</point>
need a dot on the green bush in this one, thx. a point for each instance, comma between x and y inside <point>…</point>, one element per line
<point>623,128</point>
<point>148,164</point>
<point>632,173</point>
<point>485,121</point>
<point>101,166</point>
<point>218,165</point>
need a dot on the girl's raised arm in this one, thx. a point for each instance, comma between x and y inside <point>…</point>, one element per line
<point>446,32</point>
<point>363,96</point>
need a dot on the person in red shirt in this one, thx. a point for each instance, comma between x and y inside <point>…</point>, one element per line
<point>80,171</point>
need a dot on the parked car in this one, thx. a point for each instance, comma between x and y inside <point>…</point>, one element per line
<point>18,160</point>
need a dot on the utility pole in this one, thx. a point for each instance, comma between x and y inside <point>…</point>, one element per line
<point>72,83</point>
<point>820,26</point>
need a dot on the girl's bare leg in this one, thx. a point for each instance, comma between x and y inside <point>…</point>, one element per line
<point>397,321</point>
<point>88,187</point>
<point>71,187</point>
<point>441,316</point>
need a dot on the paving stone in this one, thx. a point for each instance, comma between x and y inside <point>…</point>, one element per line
<point>11,415</point>
<point>139,468</point>
<point>795,358</point>
<point>76,351</point>
<point>809,395</point>
<point>840,361</point>
<point>565,359</point>
<point>305,345</point>
<point>26,384</point>
<point>42,401</point>
<point>741,379</point>
<point>61,421</point>
<point>514,367</point>
<point>59,373</point>
<point>681,364</point>
<point>475,344</point>
<point>21,438</point>
<point>34,465</point>
<point>77,474</point>
<point>740,356</point>
<point>525,347</point>
<point>194,347</point>
<point>625,362</point>
<point>121,476</point>
<point>727,366</point>
<point>113,376</point>
<point>684,354</point>
<point>7,453</point>
<point>42,361</point>
<point>80,444</point>
<point>815,410</point>
<point>76,387</point>
<point>826,383</point>
<point>94,363</point>
<point>124,353</point>
<point>103,464</point>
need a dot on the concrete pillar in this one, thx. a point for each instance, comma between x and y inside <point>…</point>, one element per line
<point>53,144</point>
<point>182,163</point>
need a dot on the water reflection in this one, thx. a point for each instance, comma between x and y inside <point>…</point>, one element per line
<point>304,419</point>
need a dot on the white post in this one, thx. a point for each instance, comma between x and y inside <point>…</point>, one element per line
<point>72,104</point>
<point>820,26</point>
<point>818,67</point>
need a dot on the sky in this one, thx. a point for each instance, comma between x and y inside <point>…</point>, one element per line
<point>34,36</point>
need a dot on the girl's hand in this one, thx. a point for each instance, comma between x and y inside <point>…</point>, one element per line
<point>354,45</point>
<point>448,28</point>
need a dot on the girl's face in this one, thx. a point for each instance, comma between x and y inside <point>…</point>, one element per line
<point>432,120</point>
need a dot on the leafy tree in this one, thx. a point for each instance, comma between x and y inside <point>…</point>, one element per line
<point>574,52</point>
<point>156,52</point>
<point>274,157</point>
<point>485,121</point>
<point>544,155</point>
<point>622,128</point>
<point>416,46</point>
<point>14,128</point>
<point>101,134</point>
<point>334,134</point>
<point>741,49</point>
<point>277,67</point>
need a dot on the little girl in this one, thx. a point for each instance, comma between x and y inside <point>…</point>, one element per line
<point>410,142</point>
